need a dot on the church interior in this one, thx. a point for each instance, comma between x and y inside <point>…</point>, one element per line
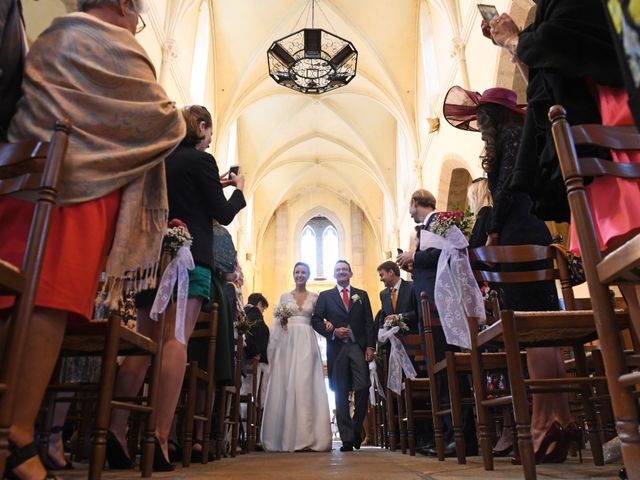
<point>330,176</point>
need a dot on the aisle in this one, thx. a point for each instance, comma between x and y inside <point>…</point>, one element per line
<point>367,464</point>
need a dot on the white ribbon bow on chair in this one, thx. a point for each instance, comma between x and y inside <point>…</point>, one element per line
<point>176,271</point>
<point>375,383</point>
<point>457,295</point>
<point>399,361</point>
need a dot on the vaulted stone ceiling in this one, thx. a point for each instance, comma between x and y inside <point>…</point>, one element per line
<point>344,141</point>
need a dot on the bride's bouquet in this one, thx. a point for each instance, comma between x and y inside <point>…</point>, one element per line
<point>283,312</point>
<point>396,321</point>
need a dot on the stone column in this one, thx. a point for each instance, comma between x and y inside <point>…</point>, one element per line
<point>357,246</point>
<point>458,53</point>
<point>282,244</point>
<point>168,55</point>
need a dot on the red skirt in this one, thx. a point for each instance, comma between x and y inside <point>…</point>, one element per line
<point>80,237</point>
<point>614,202</point>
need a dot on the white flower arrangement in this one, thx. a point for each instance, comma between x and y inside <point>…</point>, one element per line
<point>396,320</point>
<point>177,237</point>
<point>355,298</point>
<point>283,312</point>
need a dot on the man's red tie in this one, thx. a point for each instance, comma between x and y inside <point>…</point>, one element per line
<point>345,298</point>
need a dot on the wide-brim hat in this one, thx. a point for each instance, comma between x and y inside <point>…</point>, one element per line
<point>460,107</point>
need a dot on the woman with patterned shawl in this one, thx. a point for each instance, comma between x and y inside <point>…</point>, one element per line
<point>112,204</point>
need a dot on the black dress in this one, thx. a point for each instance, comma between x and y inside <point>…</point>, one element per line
<point>512,219</point>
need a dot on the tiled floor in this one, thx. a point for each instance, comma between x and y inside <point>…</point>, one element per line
<point>367,464</point>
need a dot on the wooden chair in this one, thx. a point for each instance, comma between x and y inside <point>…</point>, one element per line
<point>16,161</point>
<point>110,339</point>
<point>250,399</point>
<point>420,390</point>
<point>516,330</point>
<point>391,410</point>
<point>229,411</point>
<point>205,378</point>
<point>459,363</point>
<point>619,267</point>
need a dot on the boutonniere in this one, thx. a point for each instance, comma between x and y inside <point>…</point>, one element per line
<point>355,298</point>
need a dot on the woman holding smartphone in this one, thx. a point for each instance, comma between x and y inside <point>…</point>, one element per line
<point>196,198</point>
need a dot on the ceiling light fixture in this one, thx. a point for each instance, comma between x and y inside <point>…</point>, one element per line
<point>312,60</point>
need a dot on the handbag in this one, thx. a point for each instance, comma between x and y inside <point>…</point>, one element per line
<point>224,252</point>
<point>574,263</point>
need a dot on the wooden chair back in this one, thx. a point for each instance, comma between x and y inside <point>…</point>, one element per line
<point>16,162</point>
<point>545,263</point>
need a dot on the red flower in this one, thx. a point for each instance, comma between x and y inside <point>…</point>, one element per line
<point>176,222</point>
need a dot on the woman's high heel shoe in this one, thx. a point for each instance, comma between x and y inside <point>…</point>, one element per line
<point>572,434</point>
<point>554,434</point>
<point>160,464</point>
<point>116,456</point>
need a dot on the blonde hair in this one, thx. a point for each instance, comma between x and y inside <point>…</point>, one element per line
<point>479,195</point>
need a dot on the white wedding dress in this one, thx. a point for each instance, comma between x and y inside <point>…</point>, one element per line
<point>296,411</point>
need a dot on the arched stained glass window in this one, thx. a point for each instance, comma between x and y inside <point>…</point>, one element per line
<point>330,252</point>
<point>308,248</point>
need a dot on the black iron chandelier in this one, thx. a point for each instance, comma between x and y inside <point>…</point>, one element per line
<point>312,60</point>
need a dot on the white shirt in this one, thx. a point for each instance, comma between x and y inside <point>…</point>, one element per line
<point>348,287</point>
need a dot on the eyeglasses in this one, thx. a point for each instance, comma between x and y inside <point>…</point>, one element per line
<point>141,25</point>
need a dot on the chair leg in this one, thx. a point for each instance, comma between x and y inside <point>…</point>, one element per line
<point>411,439</point>
<point>83,442</point>
<point>519,395</point>
<point>190,409</point>
<point>435,418</point>
<point>235,421</point>
<point>589,412</point>
<point>606,414</point>
<point>146,463</point>
<point>625,406</point>
<point>456,407</point>
<point>221,406</point>
<point>401,422</point>
<point>105,394</point>
<point>392,425</point>
<point>208,413</point>
<point>482,412</point>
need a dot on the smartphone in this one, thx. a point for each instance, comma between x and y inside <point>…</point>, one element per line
<point>400,251</point>
<point>487,11</point>
<point>234,169</point>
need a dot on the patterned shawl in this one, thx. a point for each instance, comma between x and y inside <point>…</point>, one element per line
<point>123,126</point>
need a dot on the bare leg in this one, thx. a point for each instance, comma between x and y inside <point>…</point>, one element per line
<point>174,360</point>
<point>60,410</point>
<point>129,380</point>
<point>506,438</point>
<point>547,407</point>
<point>41,348</point>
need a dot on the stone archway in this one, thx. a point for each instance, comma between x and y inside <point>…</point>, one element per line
<point>458,186</point>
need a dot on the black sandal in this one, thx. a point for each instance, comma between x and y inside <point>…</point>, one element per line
<point>18,456</point>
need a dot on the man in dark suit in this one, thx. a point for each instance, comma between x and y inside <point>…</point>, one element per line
<point>422,209</point>
<point>257,340</point>
<point>343,315</point>
<point>397,297</point>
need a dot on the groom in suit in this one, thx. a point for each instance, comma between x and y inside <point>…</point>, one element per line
<point>343,315</point>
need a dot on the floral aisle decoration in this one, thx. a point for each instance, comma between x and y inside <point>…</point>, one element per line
<point>178,241</point>
<point>399,361</point>
<point>456,292</point>
<point>443,222</point>
<point>283,312</point>
<point>243,324</point>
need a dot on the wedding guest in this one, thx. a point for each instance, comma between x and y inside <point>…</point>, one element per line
<point>13,48</point>
<point>112,174</point>
<point>480,204</point>
<point>296,410</point>
<point>499,119</point>
<point>398,297</point>
<point>422,209</point>
<point>568,55</point>
<point>196,198</point>
<point>257,339</point>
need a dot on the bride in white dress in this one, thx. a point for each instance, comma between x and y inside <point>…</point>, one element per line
<point>296,411</point>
